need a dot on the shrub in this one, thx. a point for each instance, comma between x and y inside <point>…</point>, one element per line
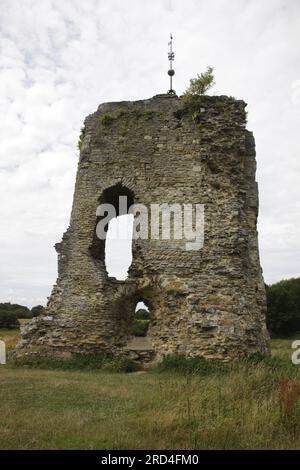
<point>8,320</point>
<point>37,310</point>
<point>200,85</point>
<point>283,314</point>
<point>99,361</point>
<point>191,365</point>
<point>118,364</point>
<point>140,327</point>
<point>20,310</point>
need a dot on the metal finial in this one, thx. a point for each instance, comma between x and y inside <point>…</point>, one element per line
<point>171,72</point>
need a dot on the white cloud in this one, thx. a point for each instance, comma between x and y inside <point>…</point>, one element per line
<point>60,60</point>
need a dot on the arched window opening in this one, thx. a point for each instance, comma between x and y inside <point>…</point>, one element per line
<point>118,246</point>
<point>112,240</point>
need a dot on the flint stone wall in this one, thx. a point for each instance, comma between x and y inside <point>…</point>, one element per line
<point>209,303</point>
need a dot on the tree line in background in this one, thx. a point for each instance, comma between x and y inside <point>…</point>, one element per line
<point>283,314</point>
<point>10,314</point>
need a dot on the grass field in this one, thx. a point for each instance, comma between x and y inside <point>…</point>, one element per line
<point>249,406</point>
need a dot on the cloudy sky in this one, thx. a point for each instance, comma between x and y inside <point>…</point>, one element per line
<point>60,59</point>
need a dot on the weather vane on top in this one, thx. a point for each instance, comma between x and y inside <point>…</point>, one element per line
<point>171,72</point>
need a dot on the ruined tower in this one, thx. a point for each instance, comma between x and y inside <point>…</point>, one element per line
<point>208,302</point>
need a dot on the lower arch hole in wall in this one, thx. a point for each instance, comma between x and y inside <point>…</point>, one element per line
<point>141,320</point>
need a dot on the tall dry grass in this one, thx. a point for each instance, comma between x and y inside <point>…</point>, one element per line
<point>250,405</point>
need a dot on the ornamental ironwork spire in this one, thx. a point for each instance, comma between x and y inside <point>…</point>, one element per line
<point>171,72</point>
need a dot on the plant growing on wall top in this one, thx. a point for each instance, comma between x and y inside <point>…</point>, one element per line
<point>200,85</point>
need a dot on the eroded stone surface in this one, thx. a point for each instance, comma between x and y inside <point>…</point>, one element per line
<point>209,302</point>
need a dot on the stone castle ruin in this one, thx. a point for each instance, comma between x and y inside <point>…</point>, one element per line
<point>208,302</point>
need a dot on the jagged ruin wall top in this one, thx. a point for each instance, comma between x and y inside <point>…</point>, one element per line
<point>209,302</point>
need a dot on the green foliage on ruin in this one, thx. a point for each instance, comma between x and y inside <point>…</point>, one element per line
<point>125,115</point>
<point>200,85</point>
<point>196,117</point>
<point>81,137</point>
<point>192,99</point>
<point>107,119</point>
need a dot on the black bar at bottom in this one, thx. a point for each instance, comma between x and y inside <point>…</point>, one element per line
<point>138,458</point>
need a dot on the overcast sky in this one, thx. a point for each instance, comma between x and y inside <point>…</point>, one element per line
<point>60,59</point>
